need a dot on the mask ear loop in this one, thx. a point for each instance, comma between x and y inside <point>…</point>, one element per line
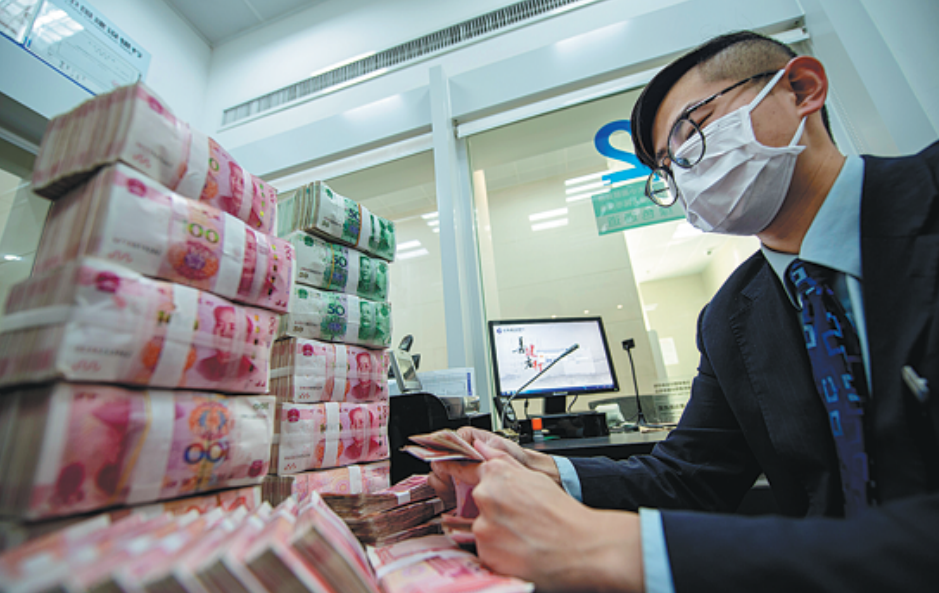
<point>762,95</point>
<point>766,90</point>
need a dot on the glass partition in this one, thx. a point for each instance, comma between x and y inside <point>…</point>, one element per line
<point>542,254</point>
<point>404,192</point>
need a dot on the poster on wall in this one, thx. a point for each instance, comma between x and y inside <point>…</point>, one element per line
<point>76,39</point>
<point>15,17</point>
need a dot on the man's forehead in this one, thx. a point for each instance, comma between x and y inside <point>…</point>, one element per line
<point>688,90</point>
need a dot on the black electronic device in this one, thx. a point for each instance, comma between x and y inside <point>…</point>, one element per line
<point>521,348</point>
<point>566,426</point>
<point>420,413</point>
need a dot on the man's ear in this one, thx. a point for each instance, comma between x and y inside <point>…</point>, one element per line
<point>807,79</point>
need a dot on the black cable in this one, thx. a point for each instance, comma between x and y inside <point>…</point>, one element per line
<point>640,416</point>
<point>526,408</point>
<point>572,403</point>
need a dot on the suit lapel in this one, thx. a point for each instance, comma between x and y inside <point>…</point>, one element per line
<point>783,390</point>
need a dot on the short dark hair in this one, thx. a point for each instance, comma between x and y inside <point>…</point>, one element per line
<point>734,56</point>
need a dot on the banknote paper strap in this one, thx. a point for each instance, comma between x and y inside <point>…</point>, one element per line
<point>341,371</point>
<point>355,479</point>
<point>178,338</point>
<point>261,264</point>
<point>197,165</point>
<point>184,136</point>
<point>231,265</point>
<point>148,462</point>
<point>365,228</point>
<point>247,196</point>
<point>332,435</point>
<point>41,317</point>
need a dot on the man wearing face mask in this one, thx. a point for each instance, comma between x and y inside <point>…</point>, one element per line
<point>817,360</point>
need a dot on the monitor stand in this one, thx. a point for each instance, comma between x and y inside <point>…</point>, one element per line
<point>555,405</point>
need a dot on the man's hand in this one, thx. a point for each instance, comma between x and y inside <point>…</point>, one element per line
<point>530,528</point>
<point>490,445</point>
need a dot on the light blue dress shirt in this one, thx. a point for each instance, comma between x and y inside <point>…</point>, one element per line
<point>834,241</point>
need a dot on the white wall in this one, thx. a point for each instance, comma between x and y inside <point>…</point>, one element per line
<point>911,31</point>
<point>179,64</point>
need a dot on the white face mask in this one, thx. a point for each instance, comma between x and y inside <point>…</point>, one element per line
<point>740,184</point>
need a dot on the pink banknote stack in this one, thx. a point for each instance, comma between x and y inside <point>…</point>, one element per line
<point>135,362</point>
<point>300,545</point>
<point>131,125</point>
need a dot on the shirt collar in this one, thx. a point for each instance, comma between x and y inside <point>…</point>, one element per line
<point>834,237</point>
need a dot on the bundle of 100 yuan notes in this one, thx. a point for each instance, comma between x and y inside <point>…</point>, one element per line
<point>310,371</point>
<point>122,216</point>
<point>332,434</point>
<point>92,320</point>
<point>131,125</point>
<point>349,480</point>
<point>77,447</point>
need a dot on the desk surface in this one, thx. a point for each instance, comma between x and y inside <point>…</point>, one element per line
<point>618,445</point>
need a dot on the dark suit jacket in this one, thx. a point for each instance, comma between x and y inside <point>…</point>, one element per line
<point>754,408</point>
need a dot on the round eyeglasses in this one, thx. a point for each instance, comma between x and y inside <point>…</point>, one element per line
<point>686,138</point>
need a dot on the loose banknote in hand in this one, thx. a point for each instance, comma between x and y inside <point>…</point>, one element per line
<point>443,445</point>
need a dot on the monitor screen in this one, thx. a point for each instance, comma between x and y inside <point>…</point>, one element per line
<point>522,348</point>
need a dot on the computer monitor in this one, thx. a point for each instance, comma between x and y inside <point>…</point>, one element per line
<point>521,348</point>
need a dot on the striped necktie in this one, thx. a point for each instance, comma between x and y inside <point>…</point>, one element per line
<point>838,368</point>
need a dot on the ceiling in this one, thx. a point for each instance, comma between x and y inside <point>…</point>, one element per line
<point>217,21</point>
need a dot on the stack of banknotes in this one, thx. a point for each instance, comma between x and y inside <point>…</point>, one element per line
<point>309,371</point>
<point>436,563</point>
<point>132,125</point>
<point>335,267</point>
<point>93,320</point>
<point>72,448</point>
<point>351,480</point>
<point>122,216</point>
<point>396,513</point>
<point>357,505</point>
<point>331,434</point>
<point>14,533</point>
<point>297,546</point>
<point>336,317</point>
<point>315,208</point>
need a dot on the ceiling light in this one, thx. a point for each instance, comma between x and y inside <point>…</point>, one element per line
<point>408,245</point>
<point>579,197</point>
<point>549,225</point>
<point>436,229</point>
<point>11,257</point>
<point>433,223</point>
<point>580,188</point>
<point>415,253</point>
<point>619,306</point>
<point>547,214</point>
<point>430,215</point>
<point>586,311</point>
<point>591,177</point>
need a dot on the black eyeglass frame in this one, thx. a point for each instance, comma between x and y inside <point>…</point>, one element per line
<point>665,173</point>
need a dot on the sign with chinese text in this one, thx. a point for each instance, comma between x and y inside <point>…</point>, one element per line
<point>627,207</point>
<point>76,39</point>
